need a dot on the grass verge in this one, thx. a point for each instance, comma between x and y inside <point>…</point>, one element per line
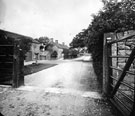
<point>33,68</point>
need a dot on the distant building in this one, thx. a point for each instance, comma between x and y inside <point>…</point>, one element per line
<point>33,53</point>
<point>54,50</point>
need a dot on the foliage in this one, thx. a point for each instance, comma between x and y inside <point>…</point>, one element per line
<point>44,40</point>
<point>70,53</point>
<point>49,47</point>
<point>25,44</point>
<point>114,17</point>
<point>73,53</point>
<point>79,40</point>
<point>65,52</point>
<point>33,68</point>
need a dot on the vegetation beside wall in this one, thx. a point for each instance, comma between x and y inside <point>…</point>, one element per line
<point>114,17</point>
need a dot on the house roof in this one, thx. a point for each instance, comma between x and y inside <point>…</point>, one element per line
<point>14,35</point>
<point>61,46</point>
<point>35,41</point>
<point>17,36</point>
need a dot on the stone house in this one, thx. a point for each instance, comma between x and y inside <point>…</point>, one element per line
<point>38,51</point>
<point>34,52</point>
<point>55,47</point>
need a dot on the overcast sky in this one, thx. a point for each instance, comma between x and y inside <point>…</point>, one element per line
<point>58,19</point>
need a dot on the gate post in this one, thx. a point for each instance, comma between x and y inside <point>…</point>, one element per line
<point>15,66</point>
<point>18,66</point>
<point>106,63</point>
<point>21,68</point>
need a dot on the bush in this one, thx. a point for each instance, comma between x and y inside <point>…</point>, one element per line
<point>66,53</point>
<point>113,18</point>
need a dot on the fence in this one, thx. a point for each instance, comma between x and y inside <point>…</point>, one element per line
<point>119,71</point>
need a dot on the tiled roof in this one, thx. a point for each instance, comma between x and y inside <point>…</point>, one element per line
<point>35,41</point>
<point>60,45</point>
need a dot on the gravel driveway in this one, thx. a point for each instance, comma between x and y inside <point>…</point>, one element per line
<point>67,89</point>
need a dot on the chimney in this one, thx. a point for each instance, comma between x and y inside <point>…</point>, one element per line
<point>56,41</point>
<point>63,43</point>
<point>51,39</point>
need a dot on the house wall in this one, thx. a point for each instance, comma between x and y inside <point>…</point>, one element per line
<point>59,51</point>
<point>30,56</point>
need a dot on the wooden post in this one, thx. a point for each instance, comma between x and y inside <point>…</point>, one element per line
<point>18,66</point>
<point>106,63</point>
<point>21,68</point>
<point>109,70</point>
<point>15,66</point>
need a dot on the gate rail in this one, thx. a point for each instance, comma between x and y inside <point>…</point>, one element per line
<point>119,71</point>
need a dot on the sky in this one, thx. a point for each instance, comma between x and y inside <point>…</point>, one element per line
<point>58,19</point>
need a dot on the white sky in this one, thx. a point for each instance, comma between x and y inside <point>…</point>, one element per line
<point>58,19</point>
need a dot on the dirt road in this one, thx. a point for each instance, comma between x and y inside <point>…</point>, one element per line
<point>67,89</point>
<point>72,75</point>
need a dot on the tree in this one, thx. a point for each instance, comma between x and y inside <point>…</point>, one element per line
<point>73,53</point>
<point>80,40</point>
<point>115,17</point>
<point>25,44</point>
<point>45,40</point>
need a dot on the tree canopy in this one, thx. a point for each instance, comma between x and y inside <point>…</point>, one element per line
<point>79,40</point>
<point>44,40</point>
<point>114,17</point>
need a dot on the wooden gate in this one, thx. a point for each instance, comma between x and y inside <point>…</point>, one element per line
<point>11,61</point>
<point>119,71</point>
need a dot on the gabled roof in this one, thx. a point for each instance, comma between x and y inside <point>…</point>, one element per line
<point>60,45</point>
<point>35,41</point>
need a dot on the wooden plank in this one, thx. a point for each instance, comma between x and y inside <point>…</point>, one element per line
<point>15,66</point>
<point>110,81</point>
<point>5,58</point>
<point>6,71</point>
<point>105,64</point>
<point>120,108</point>
<point>119,56</point>
<point>123,38</point>
<point>7,41</point>
<point>6,65</point>
<point>6,78</point>
<point>126,68</point>
<point>21,63</point>
<point>10,45</point>
<point>6,50</point>
<point>133,110</point>
<point>124,83</point>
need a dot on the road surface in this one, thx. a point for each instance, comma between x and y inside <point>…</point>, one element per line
<point>67,89</point>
